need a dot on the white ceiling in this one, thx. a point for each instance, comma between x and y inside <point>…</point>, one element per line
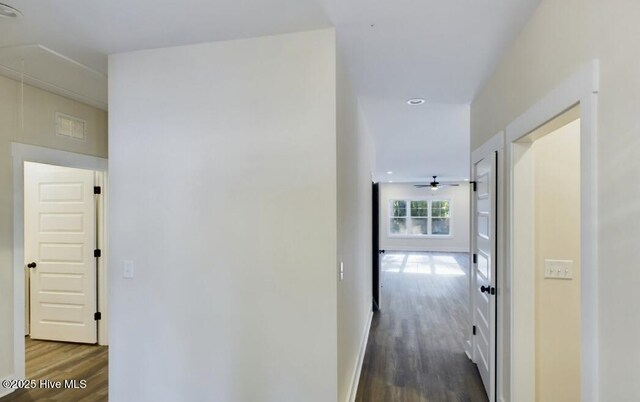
<point>442,51</point>
<point>417,142</point>
<point>439,50</point>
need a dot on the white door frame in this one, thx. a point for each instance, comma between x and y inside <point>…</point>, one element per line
<point>29,153</point>
<point>579,89</point>
<point>494,144</point>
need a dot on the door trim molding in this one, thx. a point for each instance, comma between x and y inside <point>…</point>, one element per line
<point>30,153</point>
<point>495,143</point>
<point>582,89</point>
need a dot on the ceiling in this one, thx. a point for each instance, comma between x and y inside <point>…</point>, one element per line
<point>442,51</point>
<point>418,142</point>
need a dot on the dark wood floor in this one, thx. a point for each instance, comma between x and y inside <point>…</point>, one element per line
<point>415,350</point>
<point>64,361</point>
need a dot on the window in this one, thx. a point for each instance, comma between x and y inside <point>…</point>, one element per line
<point>398,216</point>
<point>420,217</point>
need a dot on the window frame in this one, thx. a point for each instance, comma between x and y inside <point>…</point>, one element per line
<point>408,218</point>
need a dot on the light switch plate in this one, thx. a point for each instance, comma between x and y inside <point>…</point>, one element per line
<point>558,269</point>
<point>128,269</point>
<point>341,270</point>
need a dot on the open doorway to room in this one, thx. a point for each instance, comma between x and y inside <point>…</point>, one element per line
<point>546,212</point>
<point>60,289</point>
<point>550,319</point>
<point>416,348</point>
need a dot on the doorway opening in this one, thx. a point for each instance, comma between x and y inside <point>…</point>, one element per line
<point>421,271</point>
<point>576,97</point>
<point>546,212</point>
<point>60,274</point>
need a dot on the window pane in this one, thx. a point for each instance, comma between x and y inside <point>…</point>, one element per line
<point>398,226</point>
<point>420,226</point>
<point>398,208</point>
<point>440,226</point>
<point>419,208</point>
<point>440,209</point>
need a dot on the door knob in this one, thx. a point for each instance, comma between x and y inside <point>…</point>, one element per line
<point>31,265</point>
<point>488,289</point>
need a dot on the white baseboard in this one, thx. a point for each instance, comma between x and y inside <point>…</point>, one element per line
<point>6,391</point>
<point>355,380</point>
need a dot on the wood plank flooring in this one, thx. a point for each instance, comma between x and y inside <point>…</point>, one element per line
<point>62,361</point>
<point>415,350</point>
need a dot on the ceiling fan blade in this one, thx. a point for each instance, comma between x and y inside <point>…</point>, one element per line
<point>421,185</point>
<point>449,184</point>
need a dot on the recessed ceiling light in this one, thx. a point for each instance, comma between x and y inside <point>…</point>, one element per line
<point>466,179</point>
<point>389,172</point>
<point>390,181</point>
<point>415,101</point>
<point>7,11</point>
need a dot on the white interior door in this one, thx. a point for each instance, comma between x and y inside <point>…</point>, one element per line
<point>484,270</point>
<point>60,237</point>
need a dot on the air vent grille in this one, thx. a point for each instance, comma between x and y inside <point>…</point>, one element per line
<point>71,127</point>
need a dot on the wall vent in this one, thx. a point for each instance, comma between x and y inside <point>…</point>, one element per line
<point>71,127</point>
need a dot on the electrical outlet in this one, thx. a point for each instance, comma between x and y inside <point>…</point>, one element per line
<point>558,269</point>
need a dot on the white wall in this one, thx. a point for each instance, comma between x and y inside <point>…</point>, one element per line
<point>37,128</point>
<point>355,163</point>
<point>223,183</point>
<point>561,37</point>
<point>457,242</point>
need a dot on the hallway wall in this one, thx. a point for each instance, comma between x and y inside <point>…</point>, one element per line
<point>562,36</point>
<point>38,129</point>
<point>355,157</point>
<point>223,189</point>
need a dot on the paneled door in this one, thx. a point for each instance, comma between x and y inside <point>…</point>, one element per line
<point>484,270</point>
<point>60,238</point>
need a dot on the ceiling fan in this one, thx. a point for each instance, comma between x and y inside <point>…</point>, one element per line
<point>435,184</point>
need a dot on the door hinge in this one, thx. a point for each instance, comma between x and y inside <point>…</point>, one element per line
<point>474,329</point>
<point>97,316</point>
<point>97,253</point>
<point>474,185</point>
<point>475,258</point>
<point>97,190</point>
